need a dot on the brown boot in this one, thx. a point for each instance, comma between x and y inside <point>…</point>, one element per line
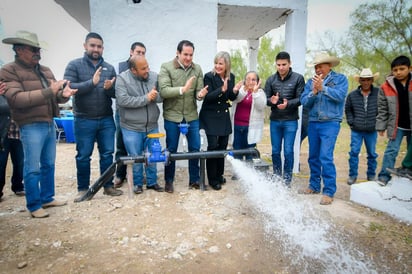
<point>326,200</point>
<point>54,203</point>
<point>307,190</point>
<point>39,213</point>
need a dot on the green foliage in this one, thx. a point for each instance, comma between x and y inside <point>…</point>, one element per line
<point>238,64</point>
<point>376,227</point>
<point>380,31</point>
<point>266,58</point>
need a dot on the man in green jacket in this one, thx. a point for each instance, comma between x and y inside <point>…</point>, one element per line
<point>181,85</point>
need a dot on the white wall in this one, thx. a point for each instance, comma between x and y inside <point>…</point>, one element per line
<point>160,25</point>
<point>63,35</point>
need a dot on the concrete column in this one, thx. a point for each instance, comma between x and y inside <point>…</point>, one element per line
<point>295,39</point>
<point>252,50</point>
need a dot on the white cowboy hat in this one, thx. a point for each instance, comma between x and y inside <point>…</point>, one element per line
<point>366,73</point>
<point>25,38</point>
<point>323,58</point>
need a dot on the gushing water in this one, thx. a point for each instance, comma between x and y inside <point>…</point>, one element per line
<point>308,238</point>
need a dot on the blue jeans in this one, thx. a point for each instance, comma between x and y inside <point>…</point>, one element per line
<point>39,146</point>
<point>322,139</point>
<point>240,140</point>
<point>120,148</point>
<point>87,131</point>
<point>357,137</point>
<point>13,147</point>
<point>136,143</point>
<point>391,152</point>
<point>172,142</point>
<point>286,131</point>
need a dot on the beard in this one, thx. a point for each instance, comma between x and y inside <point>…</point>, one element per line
<point>93,55</point>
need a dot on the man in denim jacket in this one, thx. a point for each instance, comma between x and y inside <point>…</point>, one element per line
<point>324,96</point>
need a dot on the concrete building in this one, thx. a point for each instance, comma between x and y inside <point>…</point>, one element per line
<point>159,24</point>
<point>162,24</point>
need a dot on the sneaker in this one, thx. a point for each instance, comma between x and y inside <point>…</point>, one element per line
<point>111,191</point>
<point>138,189</point>
<point>54,203</point>
<point>382,181</point>
<point>326,200</point>
<point>169,187</point>
<point>371,178</point>
<point>400,171</point>
<point>156,187</point>
<point>351,180</point>
<point>39,213</point>
<point>307,190</point>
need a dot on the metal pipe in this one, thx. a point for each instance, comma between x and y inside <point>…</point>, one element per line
<point>129,160</point>
<point>196,155</point>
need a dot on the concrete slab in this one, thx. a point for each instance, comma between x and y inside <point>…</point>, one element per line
<point>394,199</point>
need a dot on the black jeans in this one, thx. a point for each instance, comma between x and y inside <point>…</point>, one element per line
<point>216,166</point>
<point>13,147</point>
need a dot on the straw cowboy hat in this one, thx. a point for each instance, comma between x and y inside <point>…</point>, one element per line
<point>25,38</point>
<point>323,58</point>
<point>366,73</point>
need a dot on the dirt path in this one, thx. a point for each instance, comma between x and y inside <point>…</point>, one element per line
<point>187,232</point>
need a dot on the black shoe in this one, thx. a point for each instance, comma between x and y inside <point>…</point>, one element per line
<point>20,193</point>
<point>138,189</point>
<point>382,181</point>
<point>169,187</point>
<point>194,185</point>
<point>351,180</point>
<point>216,186</point>
<point>156,187</point>
<point>222,180</point>
<point>235,177</point>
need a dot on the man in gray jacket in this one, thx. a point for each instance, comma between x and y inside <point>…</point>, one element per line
<point>137,98</point>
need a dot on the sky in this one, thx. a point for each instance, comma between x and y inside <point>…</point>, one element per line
<point>333,15</point>
<point>323,15</point>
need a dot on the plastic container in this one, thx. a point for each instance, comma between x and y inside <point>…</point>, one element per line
<point>68,125</point>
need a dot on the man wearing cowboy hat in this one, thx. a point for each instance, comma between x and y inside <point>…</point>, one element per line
<point>33,95</point>
<point>361,108</point>
<point>324,96</point>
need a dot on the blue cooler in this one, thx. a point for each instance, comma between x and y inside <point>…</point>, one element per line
<point>68,125</point>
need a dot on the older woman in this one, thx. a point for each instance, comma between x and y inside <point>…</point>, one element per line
<point>214,115</point>
<point>248,113</point>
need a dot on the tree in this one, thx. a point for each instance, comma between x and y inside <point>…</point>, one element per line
<point>266,58</point>
<point>380,31</point>
<point>238,64</point>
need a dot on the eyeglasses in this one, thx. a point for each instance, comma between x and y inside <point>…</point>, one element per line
<point>33,49</point>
